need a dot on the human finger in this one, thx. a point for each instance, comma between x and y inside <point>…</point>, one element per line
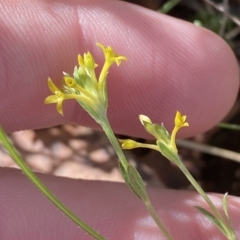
<point>172,65</point>
<point>110,208</point>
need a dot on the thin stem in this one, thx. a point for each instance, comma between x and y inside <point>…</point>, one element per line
<point>146,145</point>
<point>200,190</point>
<point>173,138</point>
<point>112,138</point>
<point>34,179</point>
<point>115,143</point>
<point>157,220</point>
<point>229,231</point>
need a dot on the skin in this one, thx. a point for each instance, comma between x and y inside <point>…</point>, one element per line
<point>172,65</point>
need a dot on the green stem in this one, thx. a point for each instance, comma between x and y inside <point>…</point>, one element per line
<point>200,191</point>
<point>112,138</point>
<point>229,231</point>
<point>157,220</point>
<point>33,178</point>
<point>115,143</point>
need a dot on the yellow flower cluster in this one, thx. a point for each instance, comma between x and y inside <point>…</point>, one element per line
<point>165,143</point>
<point>84,86</point>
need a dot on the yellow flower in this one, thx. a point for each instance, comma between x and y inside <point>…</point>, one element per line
<point>180,121</point>
<point>58,96</point>
<point>110,56</point>
<point>72,84</point>
<point>166,143</point>
<point>89,92</point>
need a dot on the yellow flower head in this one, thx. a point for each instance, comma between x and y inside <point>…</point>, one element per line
<point>84,86</point>
<point>166,143</point>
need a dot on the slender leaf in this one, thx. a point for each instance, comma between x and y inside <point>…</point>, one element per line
<point>137,183</point>
<point>213,219</point>
<point>126,178</point>
<point>224,205</point>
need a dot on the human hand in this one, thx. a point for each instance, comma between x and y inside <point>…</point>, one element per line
<point>172,65</point>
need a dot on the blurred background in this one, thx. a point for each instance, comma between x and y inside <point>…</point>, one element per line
<point>213,158</point>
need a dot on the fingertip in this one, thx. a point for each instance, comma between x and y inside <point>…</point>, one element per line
<point>182,67</point>
<point>172,65</point>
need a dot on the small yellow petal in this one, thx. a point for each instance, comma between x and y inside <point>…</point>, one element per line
<point>51,99</point>
<point>59,106</point>
<point>80,60</point>
<point>102,47</point>
<point>52,86</point>
<point>89,61</point>
<point>119,59</point>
